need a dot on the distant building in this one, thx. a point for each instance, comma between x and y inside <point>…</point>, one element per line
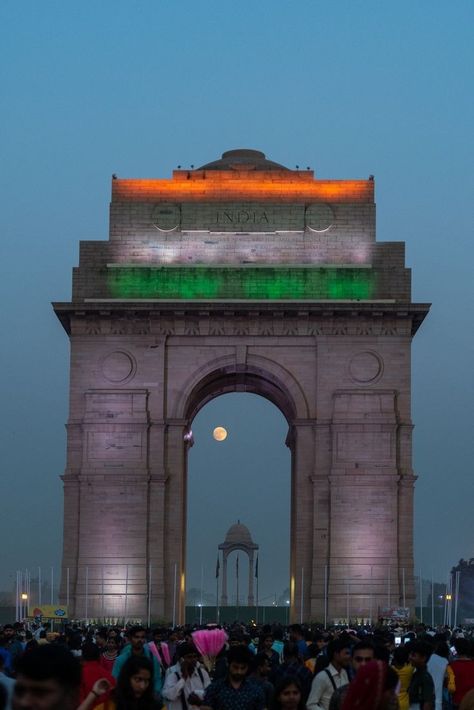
<point>463,584</point>
<point>238,538</point>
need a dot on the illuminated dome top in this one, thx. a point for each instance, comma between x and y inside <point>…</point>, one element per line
<point>243,159</point>
<point>238,534</point>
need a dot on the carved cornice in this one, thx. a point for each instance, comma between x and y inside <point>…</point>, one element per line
<point>242,319</point>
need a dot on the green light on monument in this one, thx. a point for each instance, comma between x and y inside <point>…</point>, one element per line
<point>262,283</point>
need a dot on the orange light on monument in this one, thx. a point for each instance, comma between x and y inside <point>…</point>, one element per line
<point>216,188</point>
<point>219,433</point>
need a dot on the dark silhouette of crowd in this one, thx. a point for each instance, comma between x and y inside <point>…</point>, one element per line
<point>267,667</point>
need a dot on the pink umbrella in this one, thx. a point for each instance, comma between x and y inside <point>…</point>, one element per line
<point>163,654</point>
<point>209,642</point>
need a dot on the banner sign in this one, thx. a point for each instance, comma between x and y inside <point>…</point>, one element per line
<point>48,611</point>
<point>399,613</point>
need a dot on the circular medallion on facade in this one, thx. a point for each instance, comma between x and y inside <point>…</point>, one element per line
<point>319,217</point>
<point>166,216</point>
<point>365,367</point>
<point>118,366</point>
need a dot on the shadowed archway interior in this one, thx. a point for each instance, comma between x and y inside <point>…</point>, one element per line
<point>224,481</point>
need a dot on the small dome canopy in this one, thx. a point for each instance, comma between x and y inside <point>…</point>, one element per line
<point>238,535</point>
<point>243,159</point>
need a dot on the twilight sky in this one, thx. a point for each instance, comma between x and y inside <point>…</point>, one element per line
<point>349,88</point>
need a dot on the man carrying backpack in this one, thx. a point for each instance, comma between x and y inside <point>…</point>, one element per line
<point>331,678</point>
<point>186,681</point>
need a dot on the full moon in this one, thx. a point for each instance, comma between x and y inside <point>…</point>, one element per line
<point>219,433</point>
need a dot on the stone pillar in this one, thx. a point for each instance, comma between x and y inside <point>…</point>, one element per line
<point>250,600</point>
<point>175,520</point>
<point>302,444</point>
<point>156,527</point>
<point>320,569</point>
<point>321,517</point>
<point>70,543</point>
<point>405,540</point>
<point>224,600</point>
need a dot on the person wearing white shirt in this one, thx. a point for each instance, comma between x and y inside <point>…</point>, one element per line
<point>437,665</point>
<point>186,681</point>
<point>331,678</point>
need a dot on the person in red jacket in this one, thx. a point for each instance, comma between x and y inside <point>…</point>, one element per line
<point>93,670</point>
<point>463,669</point>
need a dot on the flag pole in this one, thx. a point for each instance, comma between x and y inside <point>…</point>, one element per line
<point>87,597</point>
<point>348,601</point>
<point>371,602</point>
<point>17,597</point>
<point>302,595</point>
<point>103,595</point>
<point>218,564</point>
<point>256,598</point>
<point>67,589</point>
<point>445,617</point>
<point>432,600</point>
<point>125,612</point>
<point>174,594</point>
<point>421,598</point>
<point>237,583</point>
<point>450,595</point>
<point>39,587</point>
<point>458,574</point>
<point>149,597</point>
<point>325,596</point>
<point>389,589</point>
<point>202,584</point>
<point>404,589</point>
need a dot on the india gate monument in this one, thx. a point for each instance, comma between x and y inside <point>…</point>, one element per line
<point>240,276</point>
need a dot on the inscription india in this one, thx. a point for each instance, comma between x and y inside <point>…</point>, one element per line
<point>241,217</point>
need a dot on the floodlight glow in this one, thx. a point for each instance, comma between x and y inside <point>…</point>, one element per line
<point>243,283</point>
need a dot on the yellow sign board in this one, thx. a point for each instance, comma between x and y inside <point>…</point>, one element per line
<point>48,611</point>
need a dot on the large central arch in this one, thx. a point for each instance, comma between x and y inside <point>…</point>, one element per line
<point>240,276</point>
<point>259,376</point>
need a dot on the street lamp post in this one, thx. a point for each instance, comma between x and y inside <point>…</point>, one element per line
<point>24,605</point>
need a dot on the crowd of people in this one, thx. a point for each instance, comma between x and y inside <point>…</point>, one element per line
<point>259,668</point>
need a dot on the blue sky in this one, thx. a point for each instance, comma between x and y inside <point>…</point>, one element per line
<point>349,88</point>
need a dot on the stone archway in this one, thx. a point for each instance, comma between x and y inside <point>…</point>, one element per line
<point>241,275</point>
<point>211,377</point>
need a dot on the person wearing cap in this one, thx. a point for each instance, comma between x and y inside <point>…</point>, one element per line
<point>186,681</point>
